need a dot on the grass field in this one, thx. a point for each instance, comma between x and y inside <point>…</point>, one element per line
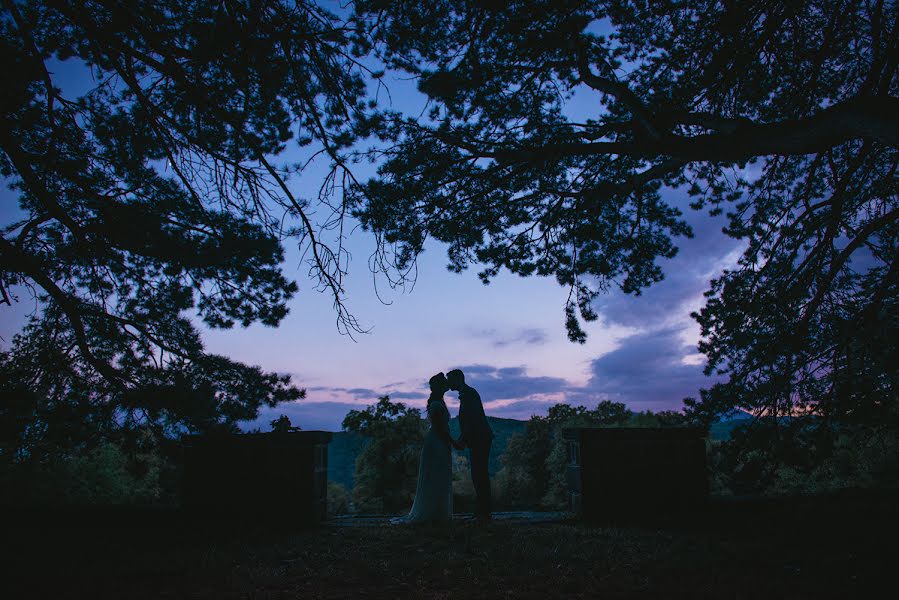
<point>833,548</point>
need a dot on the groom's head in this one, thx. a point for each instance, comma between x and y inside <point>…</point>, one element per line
<point>455,379</point>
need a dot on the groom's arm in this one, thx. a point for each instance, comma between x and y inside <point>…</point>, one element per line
<point>461,442</point>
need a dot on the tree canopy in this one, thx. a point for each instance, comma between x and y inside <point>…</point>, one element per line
<point>159,192</point>
<point>783,115</point>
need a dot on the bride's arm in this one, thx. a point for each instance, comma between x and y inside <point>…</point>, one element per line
<point>440,424</point>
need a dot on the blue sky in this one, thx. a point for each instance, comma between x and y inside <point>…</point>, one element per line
<point>508,337</point>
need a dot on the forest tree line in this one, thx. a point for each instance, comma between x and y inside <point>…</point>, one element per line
<point>751,458</point>
<point>748,460</point>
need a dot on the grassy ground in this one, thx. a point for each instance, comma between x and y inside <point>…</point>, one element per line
<point>837,549</point>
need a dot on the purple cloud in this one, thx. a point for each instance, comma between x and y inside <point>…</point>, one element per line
<point>509,383</point>
<point>687,276</point>
<point>528,336</point>
<point>361,393</point>
<point>647,372</point>
<point>407,395</point>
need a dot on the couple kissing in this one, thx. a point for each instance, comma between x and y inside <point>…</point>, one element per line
<point>434,489</point>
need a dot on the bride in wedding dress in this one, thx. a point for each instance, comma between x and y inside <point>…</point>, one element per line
<point>434,491</point>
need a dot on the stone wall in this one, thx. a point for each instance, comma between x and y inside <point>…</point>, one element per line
<point>279,474</point>
<point>626,470</point>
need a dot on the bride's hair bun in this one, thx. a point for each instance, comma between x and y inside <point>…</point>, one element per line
<point>437,381</point>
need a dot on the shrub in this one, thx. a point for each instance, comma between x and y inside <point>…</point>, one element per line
<point>338,499</point>
<point>103,475</point>
<point>387,469</point>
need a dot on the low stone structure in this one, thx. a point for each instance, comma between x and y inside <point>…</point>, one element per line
<point>278,474</point>
<point>612,471</point>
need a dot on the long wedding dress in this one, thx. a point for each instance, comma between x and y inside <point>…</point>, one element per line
<point>434,491</point>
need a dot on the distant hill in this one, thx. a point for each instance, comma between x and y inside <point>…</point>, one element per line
<point>735,415</point>
<point>347,445</point>
<point>342,453</point>
<point>721,431</point>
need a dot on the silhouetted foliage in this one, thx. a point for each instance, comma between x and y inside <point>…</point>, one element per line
<point>53,402</point>
<point>338,499</point>
<point>464,495</point>
<point>158,191</point>
<point>136,470</point>
<point>282,425</point>
<point>533,471</point>
<point>522,479</point>
<point>783,115</point>
<point>801,457</point>
<point>386,470</point>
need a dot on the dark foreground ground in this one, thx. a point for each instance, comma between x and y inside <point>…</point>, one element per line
<point>836,547</point>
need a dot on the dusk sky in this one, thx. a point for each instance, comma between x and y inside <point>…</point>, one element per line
<point>508,337</point>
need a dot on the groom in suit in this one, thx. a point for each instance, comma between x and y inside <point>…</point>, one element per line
<point>475,435</point>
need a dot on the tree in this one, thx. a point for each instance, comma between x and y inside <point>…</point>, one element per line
<point>784,115</point>
<point>338,499</point>
<point>521,480</point>
<point>533,470</point>
<point>387,469</point>
<point>283,425</point>
<point>159,191</point>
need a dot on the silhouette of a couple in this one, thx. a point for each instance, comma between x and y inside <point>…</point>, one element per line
<point>434,491</point>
